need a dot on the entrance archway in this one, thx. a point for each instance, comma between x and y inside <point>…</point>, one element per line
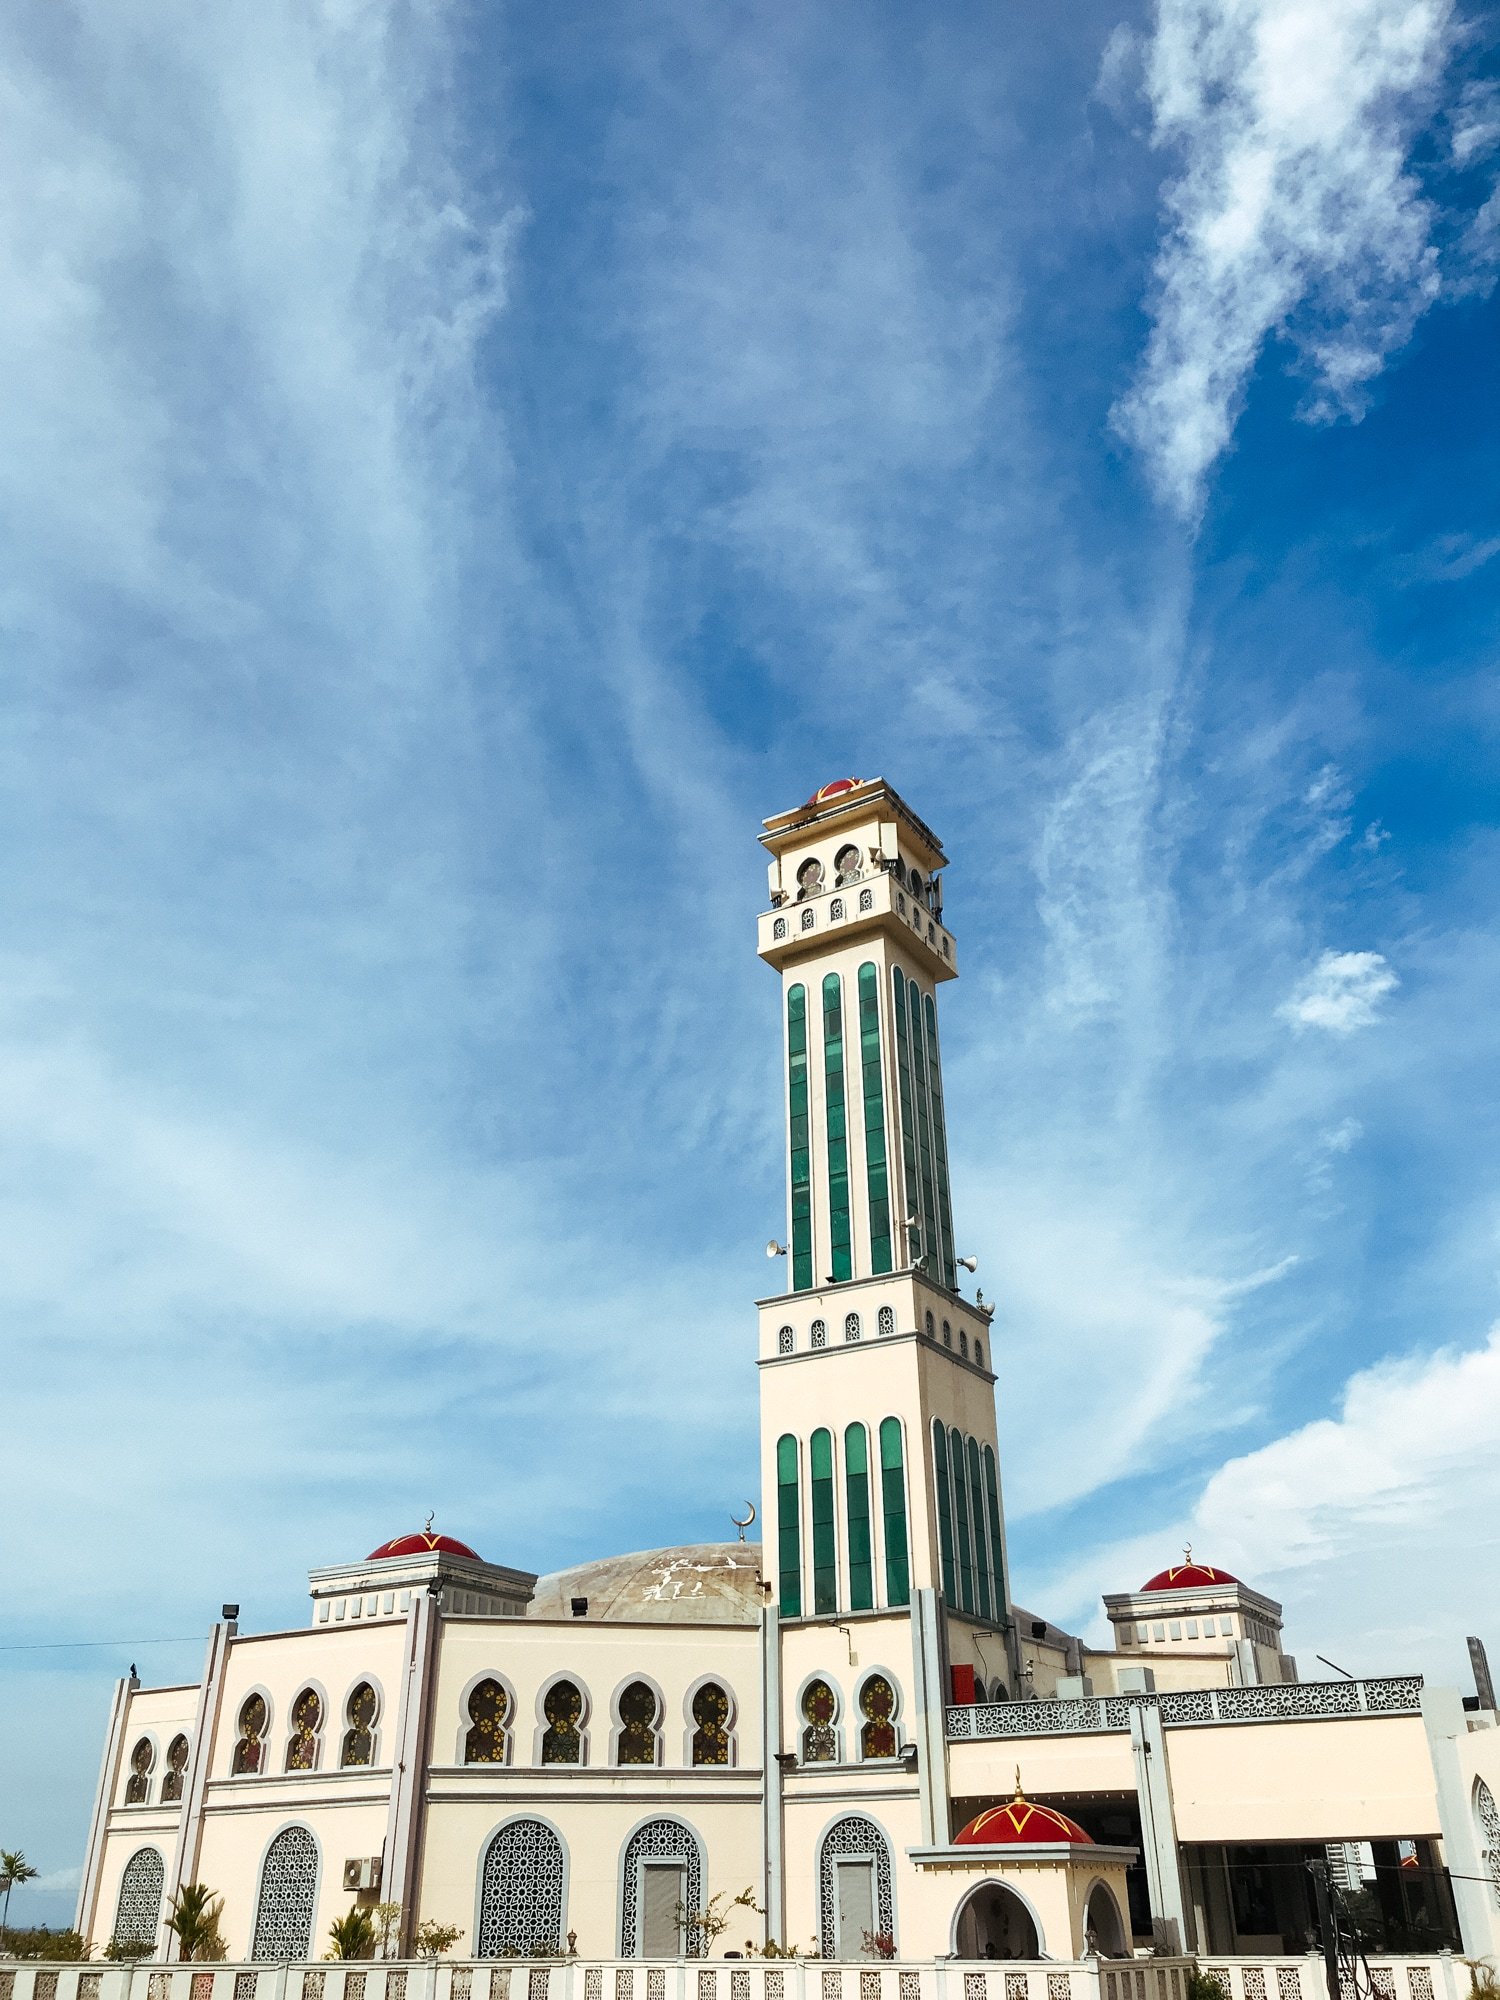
<point>994,1923</point>
<point>1103,1931</point>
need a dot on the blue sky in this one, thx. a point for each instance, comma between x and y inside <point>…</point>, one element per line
<point>460,469</point>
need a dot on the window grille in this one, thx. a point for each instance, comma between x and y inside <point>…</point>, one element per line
<point>854,1837</point>
<point>886,1320</point>
<point>819,1337</point>
<point>288,1890</point>
<point>659,1840</point>
<point>521,1892</point>
<point>786,1340</point>
<point>851,1326</point>
<point>138,1911</point>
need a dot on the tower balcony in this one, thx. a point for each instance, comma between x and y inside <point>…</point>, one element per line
<point>871,902</point>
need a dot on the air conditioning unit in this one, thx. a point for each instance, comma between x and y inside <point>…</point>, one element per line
<point>362,1874</point>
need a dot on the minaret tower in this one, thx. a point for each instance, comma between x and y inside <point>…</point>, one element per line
<point>879,1461</point>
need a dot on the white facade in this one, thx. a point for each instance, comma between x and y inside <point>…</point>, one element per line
<point>586,1756</point>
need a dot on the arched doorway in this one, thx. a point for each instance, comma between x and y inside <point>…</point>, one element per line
<point>1103,1932</point>
<point>995,1923</point>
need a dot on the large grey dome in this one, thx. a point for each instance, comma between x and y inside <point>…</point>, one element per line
<point>711,1583</point>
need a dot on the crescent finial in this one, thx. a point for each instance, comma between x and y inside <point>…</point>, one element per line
<point>748,1520</point>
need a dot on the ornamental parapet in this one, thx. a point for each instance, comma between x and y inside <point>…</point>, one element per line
<point>1187,1708</point>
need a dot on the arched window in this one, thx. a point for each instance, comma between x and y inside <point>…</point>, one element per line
<point>877,1704</point>
<point>854,1889</point>
<point>931,1326</point>
<point>1488,1816</point>
<point>788,1528</point>
<point>961,1520</point>
<point>521,1893</point>
<point>914,882</point>
<point>824,1549</point>
<point>711,1714</point>
<point>820,1739</point>
<point>138,1911</point>
<point>886,1321</point>
<point>866,899</point>
<point>138,1784</point>
<point>893,1509</point>
<point>639,1712</point>
<point>807,920</point>
<point>851,1326</point>
<point>177,1756</point>
<point>947,1333</point>
<point>877,1184</point>
<point>836,910</point>
<point>818,1337</point>
<point>288,1896</point>
<point>786,1340</point>
<point>250,1746</point>
<point>661,1878</point>
<point>911,1236</point>
<point>307,1720</point>
<point>992,1511</point>
<point>562,1739</point>
<point>489,1716</point>
<point>778,927</point>
<point>963,1343</point>
<point>932,1247</point>
<point>809,879</point>
<point>978,1352</point>
<point>846,866</point>
<point>359,1736</point>
<point>944,1505</point>
<point>857,1518</point>
<point>800,1132</point>
<point>838,1128</point>
<point>939,1143</point>
<point>976,1516</point>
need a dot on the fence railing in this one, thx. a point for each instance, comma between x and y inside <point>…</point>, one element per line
<point>1283,1701</point>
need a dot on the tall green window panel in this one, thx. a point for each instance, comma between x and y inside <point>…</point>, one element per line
<point>911,1199</point>
<point>799,1128</point>
<point>872,1077</point>
<point>932,1245</point>
<point>961,1522</point>
<point>976,1516</point>
<point>788,1528</point>
<point>997,1550</point>
<point>857,1516</point>
<point>837,1118</point>
<point>939,1146</point>
<point>893,1508</point>
<point>944,1507</point>
<point>825,1560</point>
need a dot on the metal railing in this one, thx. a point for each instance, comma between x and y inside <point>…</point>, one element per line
<point>1284,1701</point>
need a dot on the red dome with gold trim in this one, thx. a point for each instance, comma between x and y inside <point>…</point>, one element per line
<point>1188,1575</point>
<point>832,791</point>
<point>423,1543</point>
<point>1022,1824</point>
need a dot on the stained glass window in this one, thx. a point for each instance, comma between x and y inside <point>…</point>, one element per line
<point>249,1750</point>
<point>177,1756</point>
<point>893,1507</point>
<point>711,1713</point>
<point>302,1744</point>
<point>944,1504</point>
<point>824,1547</point>
<point>976,1517</point>
<point>489,1713</point>
<point>997,1550</point>
<point>877,1704</point>
<point>138,1784</point>
<point>857,1515</point>
<point>562,1739</point>
<point>877,1182</point>
<point>837,1117</point>
<point>800,1134</point>
<point>359,1737</point>
<point>788,1528</point>
<point>961,1519</point>
<point>820,1742</point>
<point>638,1712</point>
<point>913,1240</point>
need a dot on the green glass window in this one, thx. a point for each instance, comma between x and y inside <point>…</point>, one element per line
<point>788,1528</point>
<point>893,1507</point>
<point>837,1117</point>
<point>912,1239</point>
<point>992,1508</point>
<point>799,1131</point>
<point>940,1147</point>
<point>877,1180</point>
<point>824,1547</point>
<point>932,1246</point>
<point>976,1515</point>
<point>857,1515</point>
<point>944,1506</point>
<point>961,1522</point>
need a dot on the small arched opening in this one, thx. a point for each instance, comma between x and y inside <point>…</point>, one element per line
<point>995,1923</point>
<point>1103,1930</point>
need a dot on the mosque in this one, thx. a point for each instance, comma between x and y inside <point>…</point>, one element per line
<point>855,1721</point>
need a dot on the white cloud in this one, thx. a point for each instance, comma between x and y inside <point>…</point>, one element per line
<point>1342,992</point>
<point>1295,212</point>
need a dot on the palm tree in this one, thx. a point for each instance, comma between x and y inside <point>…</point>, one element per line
<point>195,1922</point>
<point>353,1935</point>
<point>14,1869</point>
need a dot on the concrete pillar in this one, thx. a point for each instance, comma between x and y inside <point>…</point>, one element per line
<point>773,1865</point>
<point>200,1757</point>
<point>109,1777</point>
<point>1153,1785</point>
<point>930,1693</point>
<point>1446,1725</point>
<point>401,1872</point>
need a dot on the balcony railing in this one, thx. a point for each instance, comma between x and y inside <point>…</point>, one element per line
<point>1285,1701</point>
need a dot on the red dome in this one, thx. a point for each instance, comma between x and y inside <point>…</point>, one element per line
<point>424,1543</point>
<point>1188,1576</point>
<point>1022,1824</point>
<point>826,792</point>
